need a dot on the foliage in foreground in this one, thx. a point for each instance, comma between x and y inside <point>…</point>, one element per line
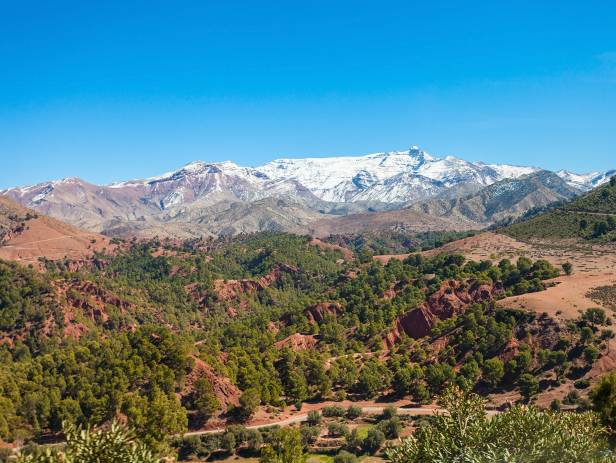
<point>115,445</point>
<point>285,447</point>
<point>521,434</point>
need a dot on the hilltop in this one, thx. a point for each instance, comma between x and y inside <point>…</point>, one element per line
<point>28,236</point>
<point>590,218</point>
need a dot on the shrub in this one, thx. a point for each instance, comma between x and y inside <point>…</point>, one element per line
<point>389,412</point>
<point>572,397</point>
<point>332,411</point>
<point>254,440</point>
<point>345,457</point>
<point>529,386</point>
<point>591,353</point>
<point>595,315</point>
<point>337,429</point>
<point>520,434</point>
<point>310,434</point>
<point>391,427</point>
<point>314,418</point>
<point>353,412</point>
<point>373,441</point>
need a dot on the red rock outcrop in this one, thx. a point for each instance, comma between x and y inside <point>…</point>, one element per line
<point>318,313</point>
<point>224,390</point>
<point>452,298</point>
<point>228,290</point>
<point>298,342</point>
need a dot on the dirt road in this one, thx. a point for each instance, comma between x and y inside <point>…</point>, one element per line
<point>369,410</point>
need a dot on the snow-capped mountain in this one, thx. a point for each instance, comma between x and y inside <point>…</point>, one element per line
<point>305,187</point>
<point>586,182</point>
<point>392,177</point>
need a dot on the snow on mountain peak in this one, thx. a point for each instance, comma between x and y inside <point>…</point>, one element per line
<point>587,181</point>
<point>389,176</point>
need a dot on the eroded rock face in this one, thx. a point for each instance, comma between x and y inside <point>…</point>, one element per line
<point>228,290</point>
<point>298,342</point>
<point>224,390</point>
<point>318,313</point>
<point>451,299</point>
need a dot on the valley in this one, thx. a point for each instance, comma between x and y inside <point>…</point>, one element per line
<point>350,332</point>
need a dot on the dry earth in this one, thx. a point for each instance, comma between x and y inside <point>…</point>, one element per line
<point>52,239</point>
<point>593,266</point>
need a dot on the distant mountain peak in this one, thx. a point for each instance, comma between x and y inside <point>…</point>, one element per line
<point>287,190</point>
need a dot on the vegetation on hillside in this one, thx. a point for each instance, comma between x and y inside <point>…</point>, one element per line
<point>165,335</point>
<point>395,242</point>
<point>591,216</point>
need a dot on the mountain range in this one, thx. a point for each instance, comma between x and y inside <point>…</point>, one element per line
<point>296,195</point>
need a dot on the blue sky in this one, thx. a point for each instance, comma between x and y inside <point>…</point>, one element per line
<point>127,89</point>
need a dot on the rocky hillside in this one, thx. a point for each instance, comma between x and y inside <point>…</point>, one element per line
<point>13,218</point>
<point>504,199</point>
<point>202,199</point>
<point>207,331</point>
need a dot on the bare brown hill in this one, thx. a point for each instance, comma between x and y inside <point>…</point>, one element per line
<point>28,236</point>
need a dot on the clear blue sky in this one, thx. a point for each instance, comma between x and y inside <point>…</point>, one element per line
<point>128,89</point>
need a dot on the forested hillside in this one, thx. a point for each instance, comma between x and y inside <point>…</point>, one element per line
<point>591,217</point>
<point>165,335</point>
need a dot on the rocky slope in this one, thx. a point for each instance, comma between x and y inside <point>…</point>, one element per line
<point>503,199</point>
<point>450,300</point>
<point>287,194</point>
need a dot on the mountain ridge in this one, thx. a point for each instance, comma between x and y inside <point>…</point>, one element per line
<point>285,194</point>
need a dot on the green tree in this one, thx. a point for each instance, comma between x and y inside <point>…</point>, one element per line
<point>373,441</point>
<point>285,447</point>
<point>204,400</point>
<point>493,371</point>
<point>157,417</point>
<point>521,434</point>
<point>249,401</point>
<point>529,386</point>
<point>568,268</point>
<point>85,445</point>
<point>438,375</point>
<point>372,379</point>
<point>603,398</point>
